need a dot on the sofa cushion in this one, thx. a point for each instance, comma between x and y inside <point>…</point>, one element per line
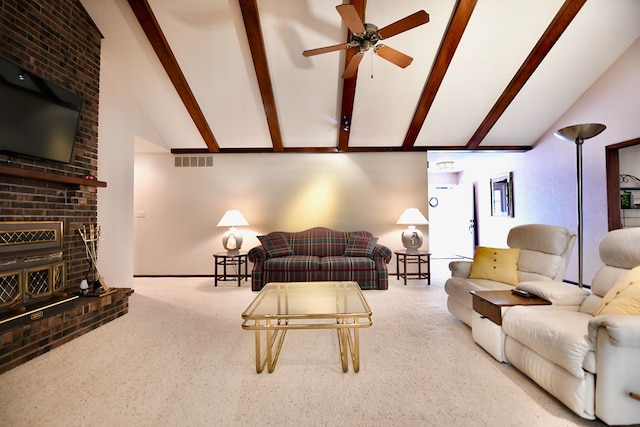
<point>533,265</point>
<point>623,297</point>
<point>293,263</point>
<point>347,263</point>
<point>319,241</point>
<point>360,246</point>
<point>496,264</point>
<point>276,244</point>
<point>556,334</point>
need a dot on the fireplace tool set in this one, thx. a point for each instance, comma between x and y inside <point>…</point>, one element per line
<point>90,236</point>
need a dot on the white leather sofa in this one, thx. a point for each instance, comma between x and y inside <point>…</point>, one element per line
<point>590,363</point>
<point>545,251</point>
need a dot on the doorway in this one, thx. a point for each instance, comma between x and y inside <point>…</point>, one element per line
<point>451,221</point>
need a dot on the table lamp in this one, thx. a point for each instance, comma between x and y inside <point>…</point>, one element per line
<point>412,237</point>
<point>232,239</point>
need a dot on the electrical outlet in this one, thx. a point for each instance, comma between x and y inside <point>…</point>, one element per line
<point>140,214</point>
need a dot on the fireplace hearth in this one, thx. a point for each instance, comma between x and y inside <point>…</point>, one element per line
<point>47,325</point>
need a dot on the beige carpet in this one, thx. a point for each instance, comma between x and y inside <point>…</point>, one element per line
<point>180,358</point>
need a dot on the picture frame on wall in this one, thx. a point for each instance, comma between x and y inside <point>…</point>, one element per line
<point>502,195</point>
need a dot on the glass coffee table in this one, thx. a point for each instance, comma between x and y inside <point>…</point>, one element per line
<point>280,307</point>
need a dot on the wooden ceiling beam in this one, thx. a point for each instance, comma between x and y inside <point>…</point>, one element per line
<point>253,28</point>
<point>460,18</point>
<point>556,28</point>
<point>152,30</point>
<point>364,149</point>
<point>349,88</point>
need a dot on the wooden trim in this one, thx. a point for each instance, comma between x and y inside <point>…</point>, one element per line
<point>251,19</point>
<point>556,28</point>
<point>513,148</point>
<point>49,177</point>
<point>612,161</point>
<point>151,28</point>
<point>612,164</point>
<point>461,15</point>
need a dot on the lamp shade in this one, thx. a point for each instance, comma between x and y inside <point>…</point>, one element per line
<point>232,218</point>
<point>584,131</point>
<point>412,216</point>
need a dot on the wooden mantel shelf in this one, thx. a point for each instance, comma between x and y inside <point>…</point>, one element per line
<point>50,177</point>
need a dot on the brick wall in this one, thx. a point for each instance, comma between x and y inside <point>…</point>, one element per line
<point>57,40</point>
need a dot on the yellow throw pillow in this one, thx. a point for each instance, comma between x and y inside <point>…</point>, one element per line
<point>623,297</point>
<point>500,265</point>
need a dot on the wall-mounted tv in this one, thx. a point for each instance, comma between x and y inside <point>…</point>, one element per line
<point>37,117</point>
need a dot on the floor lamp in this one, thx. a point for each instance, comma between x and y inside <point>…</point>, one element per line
<point>577,134</point>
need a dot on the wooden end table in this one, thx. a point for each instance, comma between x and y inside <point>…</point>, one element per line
<point>489,308</point>
<point>420,258</point>
<point>225,260</point>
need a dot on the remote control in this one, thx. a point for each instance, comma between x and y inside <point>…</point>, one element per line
<point>522,293</point>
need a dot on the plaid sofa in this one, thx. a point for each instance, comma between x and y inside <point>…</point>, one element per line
<point>320,254</point>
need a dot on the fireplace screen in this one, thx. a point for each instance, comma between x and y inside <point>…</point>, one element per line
<point>10,289</point>
<point>31,263</point>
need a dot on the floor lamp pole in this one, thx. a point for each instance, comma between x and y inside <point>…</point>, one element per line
<point>577,134</point>
<point>579,142</point>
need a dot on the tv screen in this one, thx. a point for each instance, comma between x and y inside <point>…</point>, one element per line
<point>37,117</point>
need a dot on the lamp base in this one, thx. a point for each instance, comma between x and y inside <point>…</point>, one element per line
<point>232,241</point>
<point>412,240</point>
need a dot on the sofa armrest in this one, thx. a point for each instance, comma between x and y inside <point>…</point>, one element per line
<point>381,251</point>
<point>558,293</point>
<point>257,254</point>
<point>623,330</point>
<point>460,268</point>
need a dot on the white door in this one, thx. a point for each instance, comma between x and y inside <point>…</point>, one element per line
<point>451,221</point>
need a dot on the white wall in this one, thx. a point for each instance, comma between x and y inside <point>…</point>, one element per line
<point>289,192</point>
<point>119,122</point>
<point>545,177</point>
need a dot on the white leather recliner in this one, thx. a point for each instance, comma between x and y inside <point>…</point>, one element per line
<point>545,251</point>
<point>590,363</point>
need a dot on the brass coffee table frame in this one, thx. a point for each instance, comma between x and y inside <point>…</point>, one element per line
<point>280,307</point>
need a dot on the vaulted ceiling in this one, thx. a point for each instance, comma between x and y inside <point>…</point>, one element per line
<point>229,75</point>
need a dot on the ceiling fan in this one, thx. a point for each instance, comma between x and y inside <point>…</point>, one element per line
<point>365,36</point>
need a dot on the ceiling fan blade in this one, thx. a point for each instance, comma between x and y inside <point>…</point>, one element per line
<point>325,49</point>
<point>406,23</point>
<point>394,56</point>
<point>352,66</point>
<point>351,18</point>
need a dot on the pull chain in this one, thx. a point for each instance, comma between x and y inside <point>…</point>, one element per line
<point>371,64</point>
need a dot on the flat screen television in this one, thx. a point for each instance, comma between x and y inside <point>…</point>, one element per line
<point>37,117</point>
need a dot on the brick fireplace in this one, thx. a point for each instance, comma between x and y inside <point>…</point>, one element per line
<point>59,42</point>
<point>37,312</point>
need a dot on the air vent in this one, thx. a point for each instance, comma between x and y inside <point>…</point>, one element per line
<point>193,161</point>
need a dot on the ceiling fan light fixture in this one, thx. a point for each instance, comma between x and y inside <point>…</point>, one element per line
<point>445,165</point>
<point>346,124</point>
<point>364,36</point>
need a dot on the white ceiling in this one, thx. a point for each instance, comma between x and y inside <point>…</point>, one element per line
<point>212,48</point>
